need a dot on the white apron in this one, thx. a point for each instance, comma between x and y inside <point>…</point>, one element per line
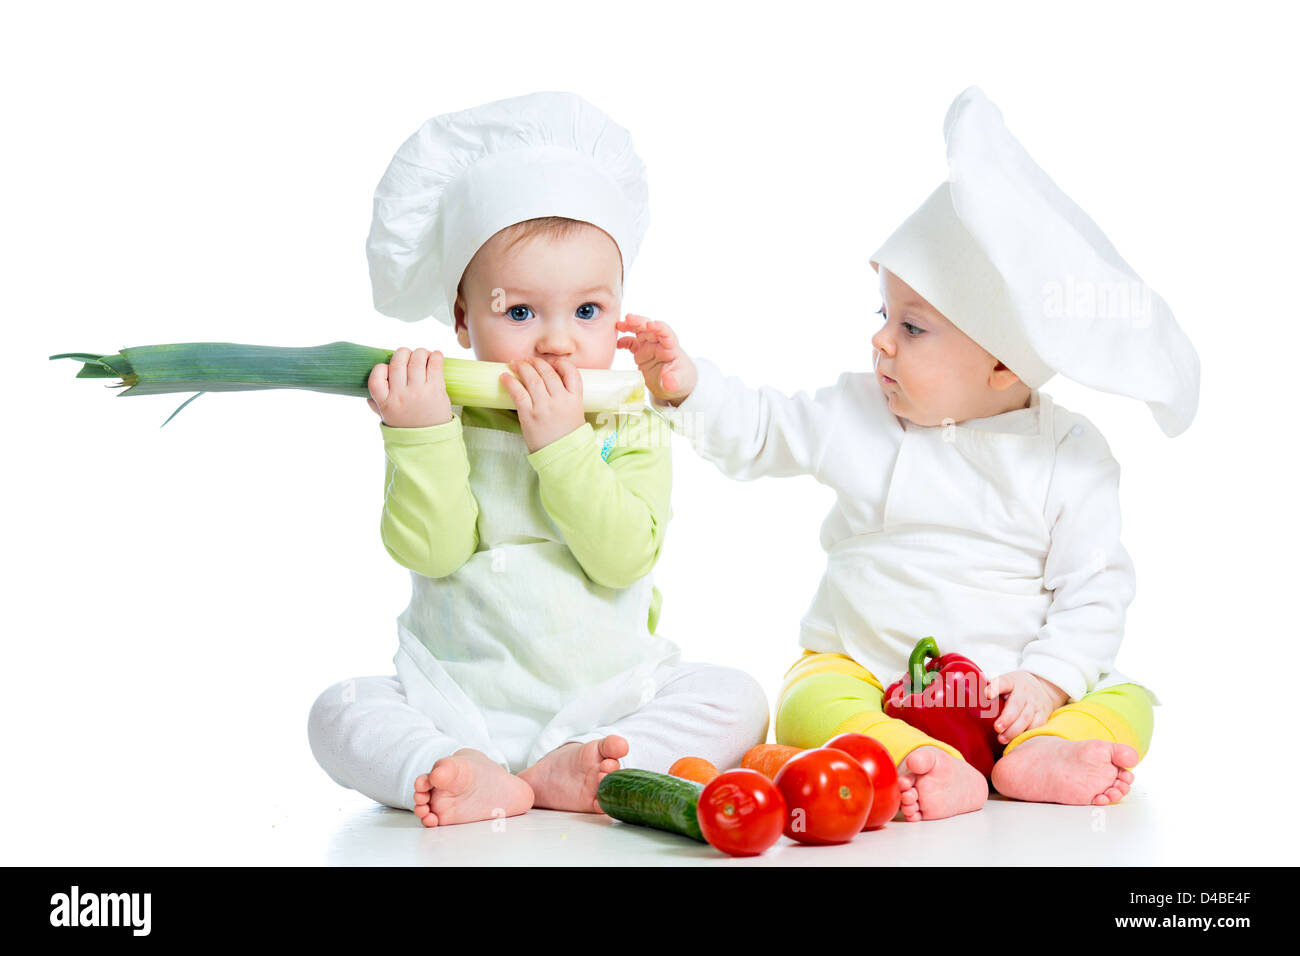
<point>518,650</point>
<point>957,553</point>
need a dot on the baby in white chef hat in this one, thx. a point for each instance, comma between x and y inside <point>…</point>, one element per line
<point>528,664</point>
<point>969,506</point>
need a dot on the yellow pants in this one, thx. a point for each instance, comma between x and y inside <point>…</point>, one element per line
<point>829,694</point>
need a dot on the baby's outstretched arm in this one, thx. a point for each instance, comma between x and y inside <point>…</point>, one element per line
<point>669,373</point>
<point>746,432</point>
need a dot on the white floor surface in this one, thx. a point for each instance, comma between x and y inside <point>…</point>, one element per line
<point>1184,810</point>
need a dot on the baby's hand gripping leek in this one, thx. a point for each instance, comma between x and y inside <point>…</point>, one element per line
<point>341,368</point>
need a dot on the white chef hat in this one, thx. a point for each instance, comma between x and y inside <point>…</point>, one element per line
<point>463,177</point>
<point>1010,260</point>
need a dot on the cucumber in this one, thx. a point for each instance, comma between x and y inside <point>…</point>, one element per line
<point>652,800</point>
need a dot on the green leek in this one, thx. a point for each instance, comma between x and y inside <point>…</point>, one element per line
<point>340,368</point>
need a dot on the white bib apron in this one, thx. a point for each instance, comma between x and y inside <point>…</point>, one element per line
<point>957,552</point>
<point>518,650</point>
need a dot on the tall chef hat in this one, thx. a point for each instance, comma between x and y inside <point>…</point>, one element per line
<point>1010,260</point>
<point>463,177</point>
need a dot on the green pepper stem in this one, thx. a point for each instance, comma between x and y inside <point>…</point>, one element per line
<point>919,676</point>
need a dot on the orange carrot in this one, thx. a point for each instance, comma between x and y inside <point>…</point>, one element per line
<point>693,768</point>
<point>767,759</point>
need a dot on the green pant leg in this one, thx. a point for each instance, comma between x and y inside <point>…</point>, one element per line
<point>1121,714</point>
<point>1132,702</point>
<point>811,711</point>
<point>816,708</point>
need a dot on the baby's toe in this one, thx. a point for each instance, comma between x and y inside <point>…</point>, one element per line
<point>448,774</point>
<point>613,747</point>
<point>920,762</point>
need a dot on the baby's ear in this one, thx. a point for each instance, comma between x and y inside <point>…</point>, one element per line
<point>462,330</point>
<point>1002,378</point>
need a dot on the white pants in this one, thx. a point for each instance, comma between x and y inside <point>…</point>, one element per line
<point>367,737</point>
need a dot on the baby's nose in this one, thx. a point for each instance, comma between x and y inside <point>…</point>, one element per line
<point>555,348</point>
<point>554,341</point>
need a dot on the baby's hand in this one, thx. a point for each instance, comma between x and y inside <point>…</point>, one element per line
<point>548,399</point>
<point>409,392</point>
<point>1029,703</point>
<point>668,371</point>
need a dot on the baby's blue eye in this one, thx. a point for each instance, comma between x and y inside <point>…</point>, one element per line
<point>912,329</point>
<point>520,313</point>
<point>588,310</point>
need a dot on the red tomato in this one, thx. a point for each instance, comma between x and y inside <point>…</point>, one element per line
<point>827,796</point>
<point>880,768</point>
<point>741,812</point>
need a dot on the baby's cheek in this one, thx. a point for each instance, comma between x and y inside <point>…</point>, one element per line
<point>931,392</point>
<point>954,395</point>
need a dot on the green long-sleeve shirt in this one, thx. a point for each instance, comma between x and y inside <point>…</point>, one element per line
<point>605,485</point>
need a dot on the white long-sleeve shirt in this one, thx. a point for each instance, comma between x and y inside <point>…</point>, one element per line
<point>998,536</point>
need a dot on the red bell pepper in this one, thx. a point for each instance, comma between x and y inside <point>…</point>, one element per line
<point>943,696</point>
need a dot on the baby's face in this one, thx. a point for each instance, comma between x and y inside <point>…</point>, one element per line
<point>930,370</point>
<point>543,297</point>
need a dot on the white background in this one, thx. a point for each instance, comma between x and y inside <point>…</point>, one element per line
<point>175,599</point>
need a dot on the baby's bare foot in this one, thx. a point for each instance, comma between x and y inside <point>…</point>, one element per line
<point>933,784</point>
<point>469,786</point>
<point>567,777</point>
<point>1055,770</point>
